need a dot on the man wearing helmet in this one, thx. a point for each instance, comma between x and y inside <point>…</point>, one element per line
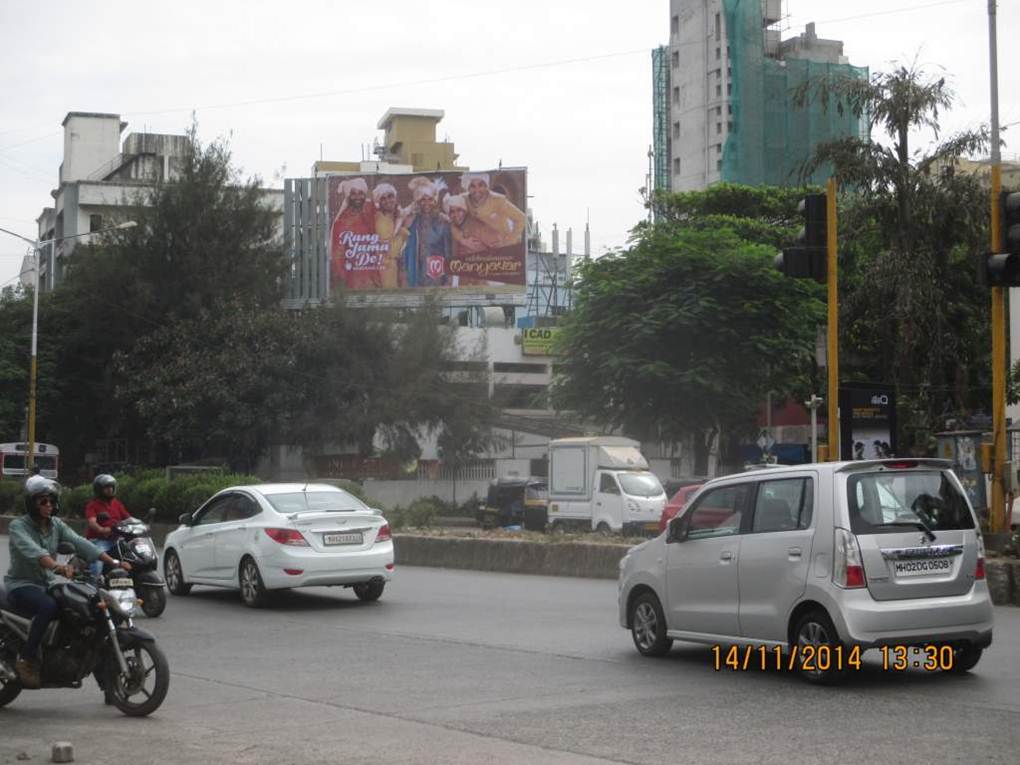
<point>100,530</point>
<point>34,538</point>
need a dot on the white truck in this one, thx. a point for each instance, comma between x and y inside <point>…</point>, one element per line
<point>602,483</point>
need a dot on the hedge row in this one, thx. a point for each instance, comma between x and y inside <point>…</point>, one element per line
<point>138,491</point>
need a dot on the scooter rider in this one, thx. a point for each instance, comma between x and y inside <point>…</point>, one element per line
<point>34,538</point>
<point>100,532</point>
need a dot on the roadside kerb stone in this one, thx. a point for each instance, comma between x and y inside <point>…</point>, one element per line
<point>581,559</point>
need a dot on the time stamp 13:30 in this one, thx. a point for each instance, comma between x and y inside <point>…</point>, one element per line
<point>822,658</point>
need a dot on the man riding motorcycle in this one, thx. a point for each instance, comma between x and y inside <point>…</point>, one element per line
<point>104,503</point>
<point>33,546</point>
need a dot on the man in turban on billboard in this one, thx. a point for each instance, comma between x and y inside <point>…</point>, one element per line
<point>494,210</point>
<point>356,256</point>
<point>389,225</point>
<point>429,242</point>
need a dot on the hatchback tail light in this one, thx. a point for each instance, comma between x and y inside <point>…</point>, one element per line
<point>384,534</point>
<point>291,537</point>
<point>847,566</point>
<point>979,569</point>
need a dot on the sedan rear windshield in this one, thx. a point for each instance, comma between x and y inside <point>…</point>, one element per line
<point>316,502</point>
<point>640,484</point>
<point>894,501</point>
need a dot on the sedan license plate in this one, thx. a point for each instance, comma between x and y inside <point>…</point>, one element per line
<point>344,538</point>
<point>652,526</point>
<point>904,568</point>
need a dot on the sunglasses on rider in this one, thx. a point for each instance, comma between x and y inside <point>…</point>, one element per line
<point>44,501</point>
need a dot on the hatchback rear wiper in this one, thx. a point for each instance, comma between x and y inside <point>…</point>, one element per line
<point>918,524</point>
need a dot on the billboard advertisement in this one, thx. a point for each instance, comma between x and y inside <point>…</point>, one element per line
<point>431,230</point>
<point>539,341</point>
<point>867,421</point>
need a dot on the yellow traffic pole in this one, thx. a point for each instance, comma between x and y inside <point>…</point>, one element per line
<point>832,452</point>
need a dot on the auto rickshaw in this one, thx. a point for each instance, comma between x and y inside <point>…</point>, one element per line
<point>515,502</point>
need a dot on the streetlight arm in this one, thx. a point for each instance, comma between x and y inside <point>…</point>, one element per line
<point>22,238</point>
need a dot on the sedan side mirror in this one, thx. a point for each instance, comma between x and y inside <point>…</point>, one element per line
<point>185,519</point>
<point>677,531</point>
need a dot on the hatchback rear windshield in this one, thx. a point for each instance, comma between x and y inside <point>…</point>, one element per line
<point>640,484</point>
<point>894,501</point>
<point>316,502</point>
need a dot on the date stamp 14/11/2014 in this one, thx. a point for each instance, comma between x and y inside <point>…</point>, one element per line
<point>823,658</point>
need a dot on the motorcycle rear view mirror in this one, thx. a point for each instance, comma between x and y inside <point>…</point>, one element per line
<point>150,515</point>
<point>65,548</point>
<point>102,517</point>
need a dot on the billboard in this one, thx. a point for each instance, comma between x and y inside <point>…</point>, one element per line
<point>448,230</point>
<point>539,341</point>
<point>867,425</point>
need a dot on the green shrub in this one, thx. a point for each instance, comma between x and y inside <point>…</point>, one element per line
<point>149,488</point>
<point>420,514</point>
<point>10,498</point>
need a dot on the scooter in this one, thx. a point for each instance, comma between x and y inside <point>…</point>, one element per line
<point>133,544</point>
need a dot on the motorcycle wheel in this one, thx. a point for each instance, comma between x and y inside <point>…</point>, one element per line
<point>153,601</point>
<point>142,690</point>
<point>9,689</point>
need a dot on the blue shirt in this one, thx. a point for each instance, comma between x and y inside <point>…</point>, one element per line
<point>28,543</point>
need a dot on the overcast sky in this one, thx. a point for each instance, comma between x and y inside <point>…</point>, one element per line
<point>560,86</point>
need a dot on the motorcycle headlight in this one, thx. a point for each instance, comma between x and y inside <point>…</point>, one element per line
<point>123,600</point>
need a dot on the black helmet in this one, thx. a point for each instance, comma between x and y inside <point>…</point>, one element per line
<point>36,486</point>
<point>101,481</point>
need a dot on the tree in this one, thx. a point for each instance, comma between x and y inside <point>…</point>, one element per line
<point>911,311</point>
<point>684,332</point>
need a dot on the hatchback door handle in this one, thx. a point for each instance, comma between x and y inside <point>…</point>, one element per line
<point>794,552</point>
<point>725,555</point>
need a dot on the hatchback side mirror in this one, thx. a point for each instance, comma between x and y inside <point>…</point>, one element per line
<point>185,519</point>
<point>677,531</point>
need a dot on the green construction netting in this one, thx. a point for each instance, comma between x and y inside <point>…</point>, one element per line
<point>771,138</point>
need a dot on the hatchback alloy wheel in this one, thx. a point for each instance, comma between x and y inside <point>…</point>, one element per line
<point>648,626</point>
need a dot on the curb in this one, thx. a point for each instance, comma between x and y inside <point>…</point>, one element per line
<point>576,559</point>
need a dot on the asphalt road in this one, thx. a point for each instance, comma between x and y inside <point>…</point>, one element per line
<point>465,667</point>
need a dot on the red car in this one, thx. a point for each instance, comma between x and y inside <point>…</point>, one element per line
<point>677,503</point>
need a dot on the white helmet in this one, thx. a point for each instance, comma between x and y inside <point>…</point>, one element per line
<point>37,485</point>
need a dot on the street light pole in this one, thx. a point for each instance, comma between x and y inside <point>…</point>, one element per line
<point>37,246</point>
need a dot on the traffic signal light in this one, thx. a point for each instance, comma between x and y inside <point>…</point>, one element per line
<point>1002,268</point>
<point>808,257</point>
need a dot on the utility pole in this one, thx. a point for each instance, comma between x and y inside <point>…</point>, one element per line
<point>832,452</point>
<point>998,502</point>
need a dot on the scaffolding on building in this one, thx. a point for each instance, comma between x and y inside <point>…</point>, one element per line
<point>661,141</point>
<point>771,139</point>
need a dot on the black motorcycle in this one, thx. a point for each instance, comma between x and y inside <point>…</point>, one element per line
<point>93,634</point>
<point>132,543</point>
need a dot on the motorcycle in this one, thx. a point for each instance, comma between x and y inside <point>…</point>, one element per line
<point>92,634</point>
<point>133,544</point>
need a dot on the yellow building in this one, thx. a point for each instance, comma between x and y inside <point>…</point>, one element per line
<point>410,143</point>
<point>982,168</point>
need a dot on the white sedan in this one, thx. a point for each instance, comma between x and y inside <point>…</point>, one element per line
<point>275,536</point>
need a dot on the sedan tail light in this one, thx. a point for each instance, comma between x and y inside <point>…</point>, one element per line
<point>847,566</point>
<point>384,534</point>
<point>291,537</point>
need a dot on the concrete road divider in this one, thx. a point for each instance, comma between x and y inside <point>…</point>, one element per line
<point>583,559</point>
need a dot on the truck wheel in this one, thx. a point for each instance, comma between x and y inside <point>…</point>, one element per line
<point>603,529</point>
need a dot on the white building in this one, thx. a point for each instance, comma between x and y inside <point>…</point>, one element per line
<point>101,179</point>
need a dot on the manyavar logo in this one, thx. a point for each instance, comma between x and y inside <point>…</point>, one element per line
<point>539,341</point>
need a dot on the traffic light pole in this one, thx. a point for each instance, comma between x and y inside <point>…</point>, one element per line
<point>998,503</point>
<point>833,336</point>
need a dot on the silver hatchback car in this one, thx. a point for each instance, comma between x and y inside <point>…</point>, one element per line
<point>818,563</point>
